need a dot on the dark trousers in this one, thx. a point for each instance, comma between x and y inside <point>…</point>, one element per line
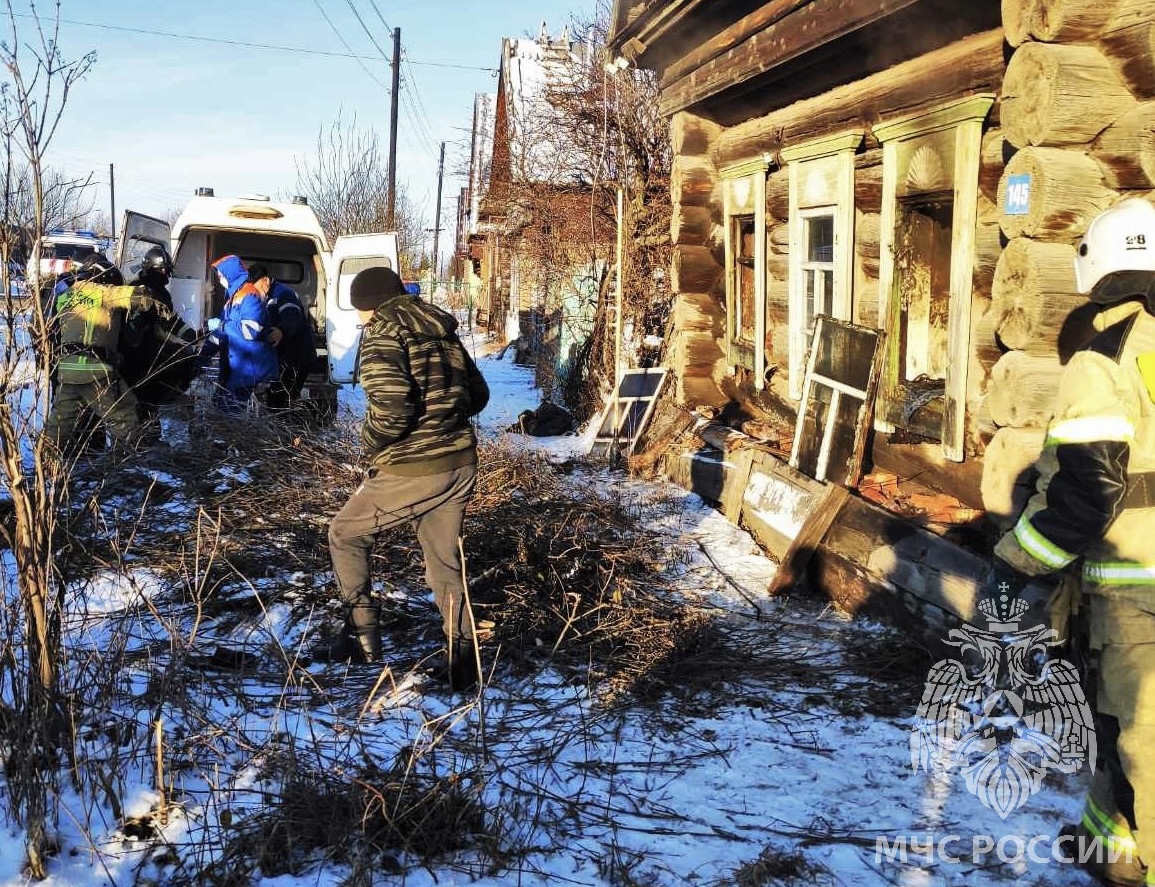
<point>436,506</point>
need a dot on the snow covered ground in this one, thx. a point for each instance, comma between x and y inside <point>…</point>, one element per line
<point>788,772</point>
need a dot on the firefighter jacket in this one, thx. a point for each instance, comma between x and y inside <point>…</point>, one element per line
<point>89,317</point>
<point>1096,489</point>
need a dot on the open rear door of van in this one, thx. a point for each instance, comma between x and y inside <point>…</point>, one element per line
<point>139,234</point>
<point>351,254</point>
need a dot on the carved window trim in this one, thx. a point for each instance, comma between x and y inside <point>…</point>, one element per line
<point>821,182</point>
<point>965,117</point>
<point>744,197</point>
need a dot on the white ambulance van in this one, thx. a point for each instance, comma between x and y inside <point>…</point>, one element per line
<point>286,236</point>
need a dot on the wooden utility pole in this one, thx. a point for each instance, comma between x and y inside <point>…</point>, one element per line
<point>112,198</point>
<point>437,218</point>
<point>391,207</point>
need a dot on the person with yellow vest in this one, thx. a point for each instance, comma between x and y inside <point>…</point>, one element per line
<point>1094,513</point>
<point>89,315</point>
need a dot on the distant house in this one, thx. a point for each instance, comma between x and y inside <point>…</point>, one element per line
<point>923,167</point>
<point>529,229</point>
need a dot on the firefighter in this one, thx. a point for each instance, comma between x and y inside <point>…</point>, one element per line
<point>154,350</point>
<point>90,314</point>
<point>1096,504</point>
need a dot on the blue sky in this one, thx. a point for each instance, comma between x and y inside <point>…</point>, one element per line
<point>173,114</point>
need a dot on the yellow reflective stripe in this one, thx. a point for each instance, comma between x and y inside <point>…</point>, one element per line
<point>1090,429</point>
<point>1108,828</point>
<point>1107,573</point>
<point>1040,547</point>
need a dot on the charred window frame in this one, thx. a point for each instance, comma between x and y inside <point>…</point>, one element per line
<point>926,272</point>
<point>821,240</point>
<point>744,196</point>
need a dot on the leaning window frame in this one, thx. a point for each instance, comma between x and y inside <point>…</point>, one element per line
<point>821,182</point>
<point>966,117</point>
<point>744,195</point>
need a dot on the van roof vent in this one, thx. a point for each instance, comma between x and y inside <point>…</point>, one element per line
<point>300,200</point>
<point>262,197</point>
<point>204,192</point>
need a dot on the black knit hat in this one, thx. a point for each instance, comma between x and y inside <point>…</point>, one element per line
<point>373,286</point>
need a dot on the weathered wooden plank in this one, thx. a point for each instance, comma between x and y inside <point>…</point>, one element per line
<point>735,489</point>
<point>896,554</point>
<point>725,40</point>
<point>1055,94</point>
<point>802,547</point>
<point>817,23</point>
<point>973,64</point>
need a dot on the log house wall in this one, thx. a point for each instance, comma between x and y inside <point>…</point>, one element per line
<point>1074,111</point>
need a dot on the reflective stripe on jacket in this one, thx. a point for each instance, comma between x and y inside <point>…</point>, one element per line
<point>90,316</point>
<point>1102,434</point>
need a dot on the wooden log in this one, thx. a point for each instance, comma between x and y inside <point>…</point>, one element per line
<point>1032,293</point>
<point>966,66</point>
<point>779,240</point>
<point>1022,389</point>
<point>988,245</point>
<point>698,312</point>
<point>867,242</point>
<point>690,225</point>
<point>692,181</point>
<point>1126,150</point>
<point>1056,94</point>
<point>778,196</point>
<point>694,270</point>
<point>692,135</point>
<point>1009,472</point>
<point>1068,21</point>
<point>1129,44</point>
<point>1016,15</point>
<point>868,181</point>
<point>1066,192</point>
<point>993,157</point>
<point>985,350</point>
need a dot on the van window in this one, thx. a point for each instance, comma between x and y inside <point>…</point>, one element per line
<point>74,251</point>
<point>283,270</point>
<point>350,268</point>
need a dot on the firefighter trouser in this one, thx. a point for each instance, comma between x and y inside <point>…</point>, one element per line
<point>436,505</point>
<point>1120,803</point>
<point>111,399</point>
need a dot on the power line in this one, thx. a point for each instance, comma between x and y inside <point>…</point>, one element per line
<point>345,43</point>
<point>275,47</point>
<point>202,39</point>
<point>373,3</point>
<point>365,28</point>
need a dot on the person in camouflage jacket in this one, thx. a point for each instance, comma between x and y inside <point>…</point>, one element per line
<point>421,389</point>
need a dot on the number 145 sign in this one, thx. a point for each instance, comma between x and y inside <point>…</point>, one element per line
<point>1018,200</point>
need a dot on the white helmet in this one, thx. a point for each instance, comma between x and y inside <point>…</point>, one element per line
<point>1121,238</point>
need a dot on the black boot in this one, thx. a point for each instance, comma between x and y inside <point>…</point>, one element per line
<point>365,622</point>
<point>358,641</point>
<point>458,668</point>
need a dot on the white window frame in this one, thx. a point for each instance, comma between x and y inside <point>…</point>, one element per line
<point>965,116</point>
<point>744,194</point>
<point>809,304</point>
<point>821,180</point>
